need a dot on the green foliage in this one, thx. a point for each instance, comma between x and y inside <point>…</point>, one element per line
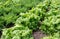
<point>45,16</point>
<point>55,36</point>
<point>1,23</point>
<point>51,22</point>
<point>10,9</point>
<point>28,19</point>
<point>32,17</point>
<point>17,32</point>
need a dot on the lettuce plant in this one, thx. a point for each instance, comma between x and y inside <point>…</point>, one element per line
<point>17,32</point>
<point>55,36</point>
<point>51,22</point>
<point>28,19</point>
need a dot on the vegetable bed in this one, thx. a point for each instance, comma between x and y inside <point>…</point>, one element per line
<point>29,19</point>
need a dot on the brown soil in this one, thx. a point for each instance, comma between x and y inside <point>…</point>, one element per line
<point>38,35</point>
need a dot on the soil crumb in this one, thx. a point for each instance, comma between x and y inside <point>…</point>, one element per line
<point>38,34</point>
